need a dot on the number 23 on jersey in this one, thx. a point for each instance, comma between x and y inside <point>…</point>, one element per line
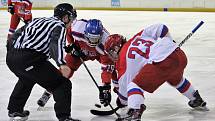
<point>139,47</point>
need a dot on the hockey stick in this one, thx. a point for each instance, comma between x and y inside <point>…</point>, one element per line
<point>110,112</point>
<point>112,109</point>
<point>104,113</point>
<point>89,73</point>
<point>22,19</point>
<point>191,33</point>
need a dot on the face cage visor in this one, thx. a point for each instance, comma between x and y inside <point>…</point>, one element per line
<point>114,53</point>
<point>93,40</point>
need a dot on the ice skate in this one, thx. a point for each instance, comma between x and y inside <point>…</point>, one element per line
<point>16,116</point>
<point>133,114</point>
<point>69,119</point>
<point>198,103</point>
<point>44,99</point>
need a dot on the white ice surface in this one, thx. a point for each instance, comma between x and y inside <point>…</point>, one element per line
<point>166,104</point>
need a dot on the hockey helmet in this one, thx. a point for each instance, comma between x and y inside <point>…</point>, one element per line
<point>93,32</point>
<point>65,9</point>
<point>113,45</point>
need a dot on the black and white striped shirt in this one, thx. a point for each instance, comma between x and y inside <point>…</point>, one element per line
<point>45,35</point>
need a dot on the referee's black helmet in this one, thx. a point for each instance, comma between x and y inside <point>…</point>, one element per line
<point>65,9</point>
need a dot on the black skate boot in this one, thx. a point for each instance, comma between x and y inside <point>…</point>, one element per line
<point>69,119</point>
<point>133,114</point>
<point>198,103</point>
<point>17,116</point>
<point>44,99</point>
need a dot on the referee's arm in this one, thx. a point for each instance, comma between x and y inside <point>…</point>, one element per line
<point>57,44</point>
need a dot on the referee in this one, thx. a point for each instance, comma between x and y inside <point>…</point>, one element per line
<point>27,57</point>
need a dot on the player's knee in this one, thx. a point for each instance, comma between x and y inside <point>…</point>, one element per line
<point>150,89</point>
<point>149,86</point>
<point>174,82</point>
<point>65,84</point>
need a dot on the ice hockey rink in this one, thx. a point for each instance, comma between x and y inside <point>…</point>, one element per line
<point>165,104</point>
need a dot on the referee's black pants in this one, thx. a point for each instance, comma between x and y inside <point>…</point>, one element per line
<point>32,67</point>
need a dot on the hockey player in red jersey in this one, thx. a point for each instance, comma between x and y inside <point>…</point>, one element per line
<point>20,10</point>
<point>86,40</point>
<point>144,63</point>
<point>90,36</point>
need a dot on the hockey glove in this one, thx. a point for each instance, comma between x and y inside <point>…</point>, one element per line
<point>74,50</point>
<point>10,9</point>
<point>105,94</point>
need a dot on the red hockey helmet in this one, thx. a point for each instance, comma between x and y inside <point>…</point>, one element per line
<point>113,45</point>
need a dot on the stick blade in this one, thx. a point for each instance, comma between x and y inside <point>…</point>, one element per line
<point>103,113</point>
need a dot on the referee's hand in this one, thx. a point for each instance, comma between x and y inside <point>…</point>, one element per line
<point>65,70</point>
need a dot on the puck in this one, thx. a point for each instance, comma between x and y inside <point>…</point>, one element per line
<point>98,106</point>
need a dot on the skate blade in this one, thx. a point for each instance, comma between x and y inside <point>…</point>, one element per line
<point>19,119</point>
<point>123,119</point>
<point>44,108</point>
<point>119,119</point>
<point>40,108</point>
<point>202,108</point>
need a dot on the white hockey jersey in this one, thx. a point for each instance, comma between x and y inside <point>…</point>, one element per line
<point>148,46</point>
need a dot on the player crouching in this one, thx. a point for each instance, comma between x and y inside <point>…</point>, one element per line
<point>144,63</point>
